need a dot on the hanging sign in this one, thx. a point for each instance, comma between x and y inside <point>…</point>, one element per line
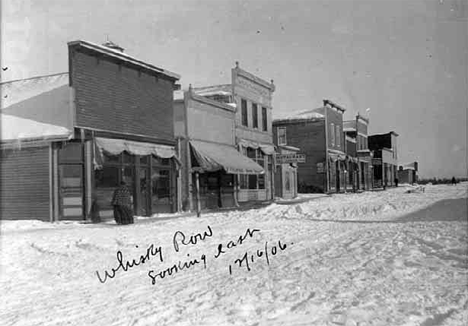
<point>290,158</point>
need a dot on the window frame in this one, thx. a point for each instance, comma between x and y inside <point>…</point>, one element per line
<point>244,113</point>
<point>264,119</point>
<point>254,115</point>
<point>279,136</point>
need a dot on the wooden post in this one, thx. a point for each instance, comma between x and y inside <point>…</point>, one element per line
<point>197,185</point>
<point>236,182</point>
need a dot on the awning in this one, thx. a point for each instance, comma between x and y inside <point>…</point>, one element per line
<point>267,149</point>
<point>117,146</point>
<point>215,157</point>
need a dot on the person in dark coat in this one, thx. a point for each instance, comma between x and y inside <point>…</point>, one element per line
<point>122,202</point>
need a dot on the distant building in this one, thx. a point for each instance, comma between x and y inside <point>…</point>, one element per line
<point>408,173</point>
<point>206,132</point>
<point>252,98</point>
<point>68,140</point>
<point>359,156</point>
<point>318,133</point>
<point>385,159</point>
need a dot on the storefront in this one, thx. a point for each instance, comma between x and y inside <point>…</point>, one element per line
<point>214,173</point>
<point>257,187</point>
<point>89,172</point>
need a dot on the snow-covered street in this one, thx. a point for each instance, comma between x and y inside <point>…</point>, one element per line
<point>375,258</point>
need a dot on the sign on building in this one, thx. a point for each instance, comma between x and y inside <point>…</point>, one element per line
<point>290,158</point>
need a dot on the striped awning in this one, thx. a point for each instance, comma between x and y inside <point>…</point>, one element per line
<point>214,157</point>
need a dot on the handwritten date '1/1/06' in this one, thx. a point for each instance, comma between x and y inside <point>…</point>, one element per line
<point>266,253</point>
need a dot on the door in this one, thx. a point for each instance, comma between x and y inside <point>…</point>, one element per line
<point>71,191</point>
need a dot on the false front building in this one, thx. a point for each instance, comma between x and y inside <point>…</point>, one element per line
<point>385,158</point>
<point>250,100</point>
<point>211,163</point>
<point>359,155</point>
<point>71,138</point>
<point>318,133</point>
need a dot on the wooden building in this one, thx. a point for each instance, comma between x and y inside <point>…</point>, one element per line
<point>319,135</point>
<point>385,158</point>
<point>77,135</point>
<point>408,173</point>
<point>359,170</point>
<point>206,131</point>
<point>251,97</point>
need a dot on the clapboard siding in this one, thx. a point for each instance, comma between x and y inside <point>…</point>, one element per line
<point>113,97</point>
<point>24,187</point>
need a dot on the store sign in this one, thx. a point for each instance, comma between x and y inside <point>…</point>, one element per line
<point>290,158</point>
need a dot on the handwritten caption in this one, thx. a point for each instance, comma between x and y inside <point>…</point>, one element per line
<point>156,253</point>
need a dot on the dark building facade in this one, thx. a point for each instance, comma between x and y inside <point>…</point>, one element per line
<point>109,119</point>
<point>359,172</point>
<point>385,158</point>
<point>408,173</point>
<point>318,133</point>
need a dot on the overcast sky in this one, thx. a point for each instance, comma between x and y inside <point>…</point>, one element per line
<point>405,60</point>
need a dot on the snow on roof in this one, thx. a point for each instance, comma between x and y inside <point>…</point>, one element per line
<point>36,107</point>
<point>19,90</point>
<point>123,56</point>
<point>17,128</point>
<point>308,114</point>
<point>225,89</point>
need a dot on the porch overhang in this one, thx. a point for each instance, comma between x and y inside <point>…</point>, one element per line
<point>214,157</point>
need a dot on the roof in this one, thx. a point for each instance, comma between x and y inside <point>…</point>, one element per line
<point>20,129</point>
<point>386,133</point>
<point>36,108</point>
<point>123,56</point>
<point>224,89</point>
<point>309,114</point>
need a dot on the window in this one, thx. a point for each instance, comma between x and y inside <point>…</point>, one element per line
<point>254,116</point>
<point>338,136</point>
<point>264,119</point>
<point>287,183</point>
<point>252,154</point>
<point>281,135</point>
<point>332,134</point>
<point>244,113</point>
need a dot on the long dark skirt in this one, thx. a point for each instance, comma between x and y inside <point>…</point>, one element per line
<point>123,214</point>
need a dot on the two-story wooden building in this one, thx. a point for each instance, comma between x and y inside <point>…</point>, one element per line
<point>252,98</point>
<point>74,137</point>
<point>319,135</point>
<point>385,158</point>
<point>206,132</point>
<point>359,155</point>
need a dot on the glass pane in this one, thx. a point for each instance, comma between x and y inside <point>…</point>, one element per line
<point>252,181</point>
<point>107,177</point>
<point>111,158</point>
<point>71,152</point>
<point>144,160</point>
<point>128,158</point>
<point>70,175</point>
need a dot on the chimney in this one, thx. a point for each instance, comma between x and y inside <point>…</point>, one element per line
<point>113,46</point>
